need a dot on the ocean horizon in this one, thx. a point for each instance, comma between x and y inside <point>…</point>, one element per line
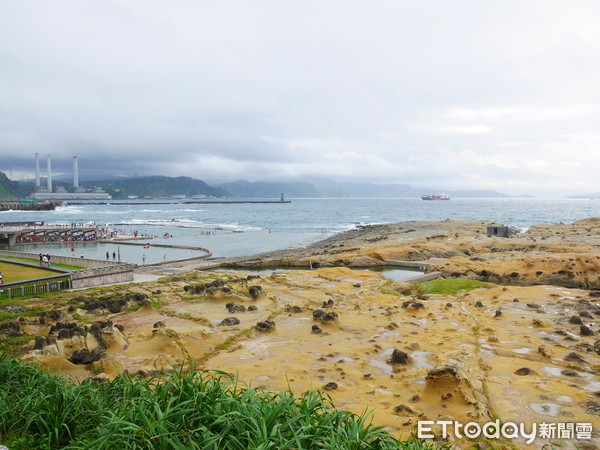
<point>242,229</point>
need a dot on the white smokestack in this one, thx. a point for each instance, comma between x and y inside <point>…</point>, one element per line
<point>49,173</point>
<point>37,172</point>
<point>75,172</point>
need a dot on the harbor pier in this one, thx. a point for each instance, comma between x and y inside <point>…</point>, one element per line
<point>13,234</point>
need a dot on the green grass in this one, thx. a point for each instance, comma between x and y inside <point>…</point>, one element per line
<point>17,272</point>
<point>28,312</point>
<point>157,304</point>
<point>208,410</point>
<point>133,308</point>
<point>228,343</point>
<point>11,345</point>
<point>389,292</point>
<point>67,266</point>
<point>37,261</point>
<point>450,286</point>
<point>81,319</point>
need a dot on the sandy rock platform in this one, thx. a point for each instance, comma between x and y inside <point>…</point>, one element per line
<point>525,348</point>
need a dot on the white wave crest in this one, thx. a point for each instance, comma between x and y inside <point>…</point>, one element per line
<point>186,223</point>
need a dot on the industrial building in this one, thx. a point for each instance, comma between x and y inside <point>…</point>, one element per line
<point>60,193</point>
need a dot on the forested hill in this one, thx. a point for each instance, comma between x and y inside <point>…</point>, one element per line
<point>10,190</point>
<point>157,186</point>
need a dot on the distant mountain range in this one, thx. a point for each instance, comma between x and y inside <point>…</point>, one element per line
<point>328,188</point>
<point>595,196</point>
<point>260,189</point>
<point>163,186</point>
<point>157,186</point>
<point>477,193</point>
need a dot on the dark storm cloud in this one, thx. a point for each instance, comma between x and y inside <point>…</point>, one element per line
<point>458,94</point>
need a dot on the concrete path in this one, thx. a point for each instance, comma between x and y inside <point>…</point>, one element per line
<point>177,267</point>
<point>144,277</point>
<point>414,264</point>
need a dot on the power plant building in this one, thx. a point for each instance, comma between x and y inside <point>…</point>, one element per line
<point>60,193</point>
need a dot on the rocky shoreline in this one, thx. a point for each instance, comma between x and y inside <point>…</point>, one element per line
<point>523,347</point>
<point>563,255</point>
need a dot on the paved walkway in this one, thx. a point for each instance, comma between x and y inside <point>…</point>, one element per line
<point>177,267</point>
<point>144,277</point>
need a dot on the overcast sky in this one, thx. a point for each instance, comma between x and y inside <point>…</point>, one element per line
<point>444,94</point>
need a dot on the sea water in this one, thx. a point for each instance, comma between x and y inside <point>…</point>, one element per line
<point>249,228</point>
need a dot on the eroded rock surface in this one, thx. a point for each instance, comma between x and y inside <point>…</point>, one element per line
<point>347,331</point>
<point>564,254</point>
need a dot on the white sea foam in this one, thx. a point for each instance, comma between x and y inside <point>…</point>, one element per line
<point>187,223</point>
<point>271,227</point>
<point>68,210</point>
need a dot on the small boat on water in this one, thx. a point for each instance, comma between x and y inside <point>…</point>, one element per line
<point>440,196</point>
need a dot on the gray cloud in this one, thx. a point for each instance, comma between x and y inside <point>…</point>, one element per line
<point>463,94</point>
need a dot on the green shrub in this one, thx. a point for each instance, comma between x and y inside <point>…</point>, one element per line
<point>449,286</point>
<point>198,409</point>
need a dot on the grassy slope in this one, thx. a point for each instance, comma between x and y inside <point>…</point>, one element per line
<point>205,410</point>
<point>12,190</point>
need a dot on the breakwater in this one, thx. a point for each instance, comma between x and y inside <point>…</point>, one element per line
<point>29,206</point>
<point>187,202</point>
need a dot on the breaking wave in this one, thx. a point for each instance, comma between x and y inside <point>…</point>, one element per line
<point>186,223</point>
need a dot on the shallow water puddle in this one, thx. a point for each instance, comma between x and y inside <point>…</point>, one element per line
<point>381,365</point>
<point>522,350</point>
<point>552,371</point>
<point>341,359</point>
<point>546,409</point>
<point>421,360</point>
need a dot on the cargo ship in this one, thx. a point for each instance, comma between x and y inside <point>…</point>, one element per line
<point>440,196</point>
